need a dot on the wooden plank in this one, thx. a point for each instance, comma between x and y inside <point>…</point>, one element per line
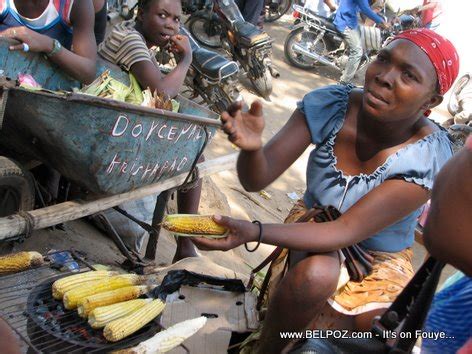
<point>15,225</point>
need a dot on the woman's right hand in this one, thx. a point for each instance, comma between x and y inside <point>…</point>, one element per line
<point>244,129</point>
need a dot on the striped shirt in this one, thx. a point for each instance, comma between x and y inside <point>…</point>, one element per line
<point>451,313</point>
<point>125,46</point>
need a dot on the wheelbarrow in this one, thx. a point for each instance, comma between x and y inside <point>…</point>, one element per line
<point>110,148</point>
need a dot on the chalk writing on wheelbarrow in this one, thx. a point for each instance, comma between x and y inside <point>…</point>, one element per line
<point>166,132</point>
<point>159,129</point>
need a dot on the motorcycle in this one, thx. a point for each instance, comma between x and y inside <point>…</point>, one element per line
<point>222,23</point>
<point>460,108</point>
<point>275,9</point>
<point>190,6</point>
<point>314,40</point>
<point>125,8</point>
<point>461,99</point>
<point>212,77</point>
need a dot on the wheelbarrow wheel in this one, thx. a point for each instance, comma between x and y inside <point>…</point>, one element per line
<point>16,188</point>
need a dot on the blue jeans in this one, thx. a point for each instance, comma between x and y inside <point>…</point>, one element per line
<point>352,39</point>
<point>251,9</point>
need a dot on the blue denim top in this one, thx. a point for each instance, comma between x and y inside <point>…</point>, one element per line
<point>346,15</point>
<point>419,162</point>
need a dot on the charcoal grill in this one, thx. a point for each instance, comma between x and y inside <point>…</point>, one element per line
<point>42,323</point>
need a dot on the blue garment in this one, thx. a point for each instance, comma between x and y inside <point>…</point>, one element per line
<point>451,313</point>
<point>346,15</point>
<point>58,28</point>
<point>325,111</point>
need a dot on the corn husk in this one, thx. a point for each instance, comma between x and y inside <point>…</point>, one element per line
<point>135,96</point>
<point>98,86</point>
<point>106,86</point>
<point>159,101</point>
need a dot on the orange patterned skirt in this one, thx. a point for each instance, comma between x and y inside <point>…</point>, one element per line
<point>391,272</point>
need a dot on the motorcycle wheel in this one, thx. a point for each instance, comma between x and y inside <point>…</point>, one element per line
<point>453,104</point>
<point>273,13</point>
<point>200,27</point>
<point>302,37</point>
<point>263,84</point>
<point>126,12</point>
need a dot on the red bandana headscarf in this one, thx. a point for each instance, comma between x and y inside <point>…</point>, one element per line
<point>440,51</point>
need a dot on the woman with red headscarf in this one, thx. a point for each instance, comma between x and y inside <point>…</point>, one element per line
<point>375,158</point>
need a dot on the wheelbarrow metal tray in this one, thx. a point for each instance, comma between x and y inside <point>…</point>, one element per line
<point>106,146</point>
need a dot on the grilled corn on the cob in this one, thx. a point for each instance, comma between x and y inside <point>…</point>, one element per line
<point>17,262</point>
<point>193,225</point>
<point>124,326</point>
<point>167,340</point>
<point>101,316</point>
<point>61,286</point>
<point>73,297</point>
<point>88,303</point>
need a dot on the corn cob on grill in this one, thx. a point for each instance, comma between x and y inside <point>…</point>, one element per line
<point>61,286</point>
<point>73,297</point>
<point>167,340</point>
<point>17,262</point>
<point>193,225</point>
<point>124,326</point>
<point>101,316</point>
<point>91,302</point>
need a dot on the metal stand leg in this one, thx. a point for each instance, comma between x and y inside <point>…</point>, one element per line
<point>159,212</point>
<point>134,258</point>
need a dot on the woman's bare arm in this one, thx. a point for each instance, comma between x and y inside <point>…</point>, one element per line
<point>259,166</point>
<point>81,62</point>
<point>383,206</point>
<point>148,75</point>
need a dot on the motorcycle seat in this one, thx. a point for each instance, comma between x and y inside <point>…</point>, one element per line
<point>212,64</point>
<point>248,33</point>
<point>327,22</point>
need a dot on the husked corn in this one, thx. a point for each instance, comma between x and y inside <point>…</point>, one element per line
<point>61,286</point>
<point>73,297</point>
<point>91,302</point>
<point>17,262</point>
<point>168,339</point>
<point>125,326</point>
<point>101,316</point>
<point>193,225</point>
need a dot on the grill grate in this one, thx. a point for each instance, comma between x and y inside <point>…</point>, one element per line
<point>42,323</point>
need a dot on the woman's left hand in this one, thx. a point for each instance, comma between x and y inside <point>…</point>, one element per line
<point>30,40</point>
<point>240,232</point>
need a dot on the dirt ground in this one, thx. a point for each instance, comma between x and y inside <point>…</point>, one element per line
<point>222,193</point>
